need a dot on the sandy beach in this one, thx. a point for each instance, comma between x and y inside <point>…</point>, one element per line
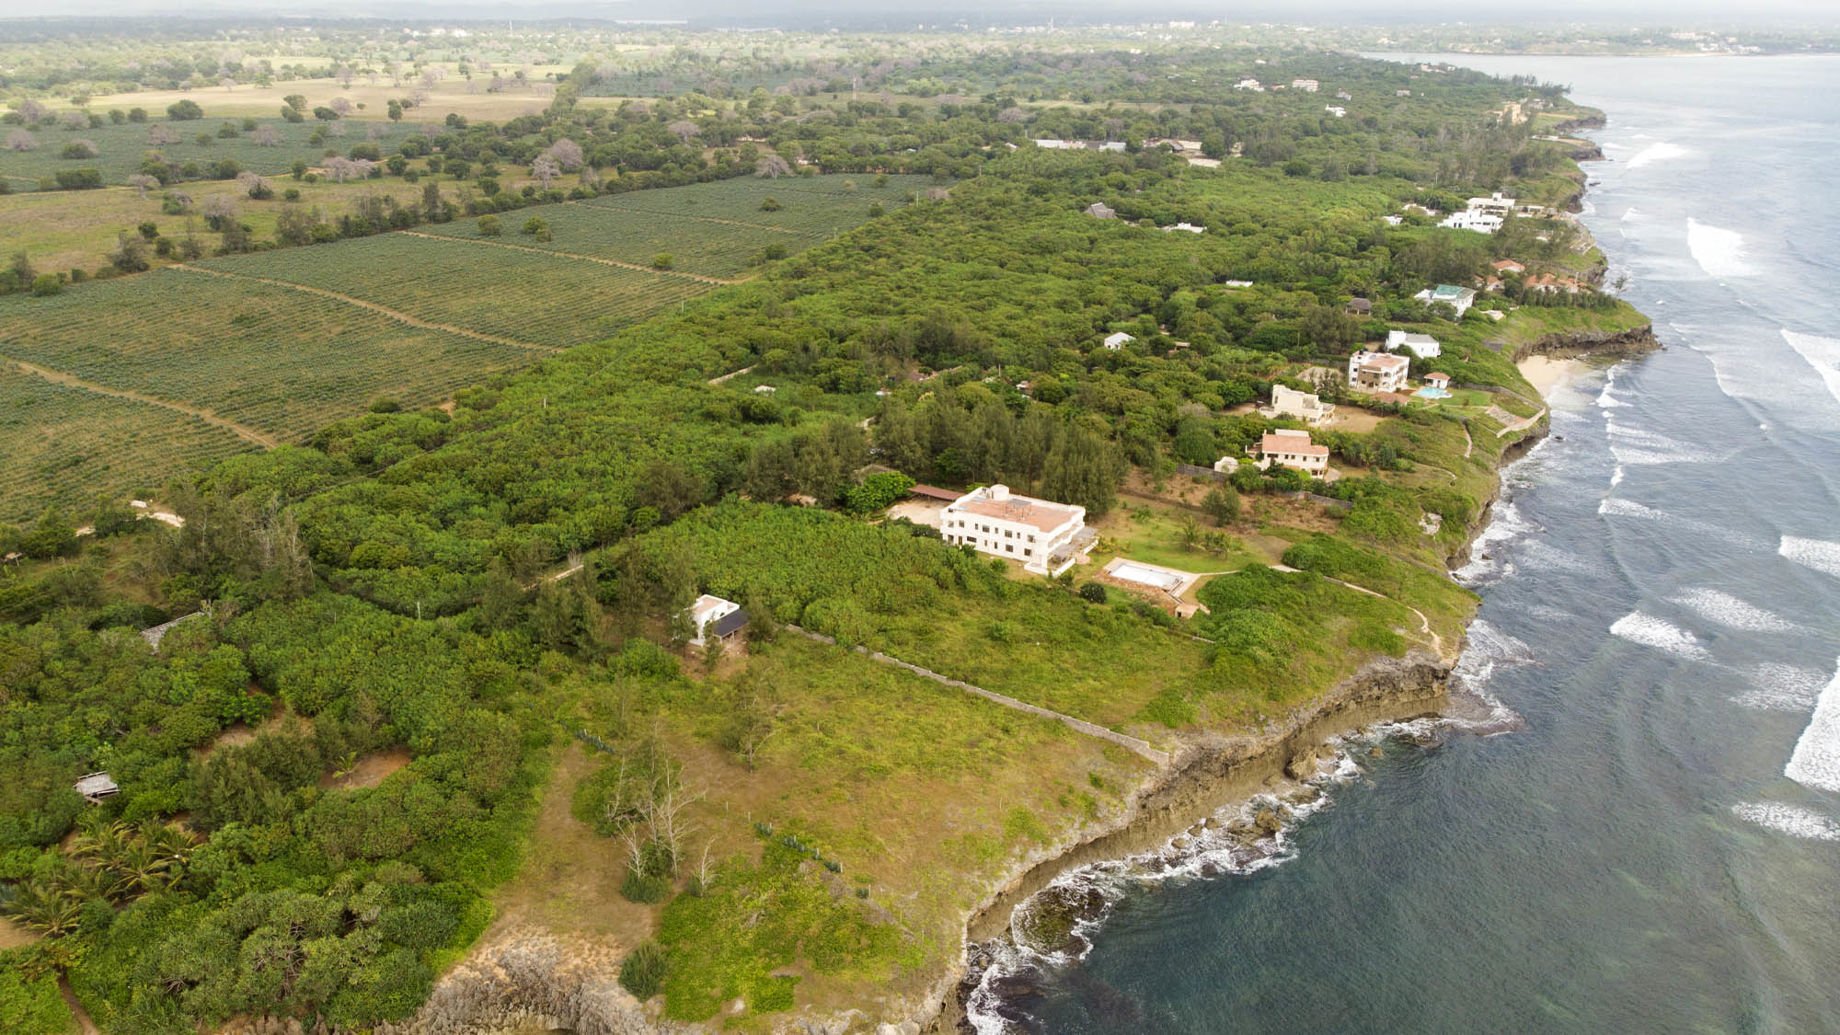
<point>1548,374</point>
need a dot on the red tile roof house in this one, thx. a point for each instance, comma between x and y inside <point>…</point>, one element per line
<point>1508,266</point>
<point>1295,450</point>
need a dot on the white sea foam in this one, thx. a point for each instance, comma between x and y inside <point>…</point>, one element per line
<point>1823,354</point>
<point>1656,153</point>
<point>1614,506</point>
<point>1506,524</point>
<point>1776,687</point>
<point>1727,610</point>
<point>1719,252</point>
<point>1816,761</point>
<point>1818,554</point>
<point>1616,476</point>
<point>1660,634</point>
<point>1788,819</point>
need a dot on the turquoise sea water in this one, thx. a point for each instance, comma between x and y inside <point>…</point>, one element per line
<point>1648,837</point>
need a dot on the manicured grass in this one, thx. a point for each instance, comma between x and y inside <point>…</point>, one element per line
<point>1154,534</point>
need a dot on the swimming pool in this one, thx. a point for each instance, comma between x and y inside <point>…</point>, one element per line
<point>1429,392</point>
<point>1163,580</point>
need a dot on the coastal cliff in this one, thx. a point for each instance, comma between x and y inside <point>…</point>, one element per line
<point>1636,341</point>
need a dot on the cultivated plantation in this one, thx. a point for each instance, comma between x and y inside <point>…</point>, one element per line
<point>283,343</point>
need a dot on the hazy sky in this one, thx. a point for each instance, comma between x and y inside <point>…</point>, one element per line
<point>1647,12</point>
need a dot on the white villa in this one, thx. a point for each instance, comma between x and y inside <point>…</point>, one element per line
<point>1119,340</point>
<point>1306,85</point>
<point>1377,371</point>
<point>1303,406</point>
<point>1424,346</point>
<point>1458,298</point>
<point>1483,215</point>
<point>1437,379</point>
<point>1250,83</point>
<point>1293,449</point>
<point>1336,110</point>
<point>1039,533</point>
<point>1480,222</point>
<point>1184,227</point>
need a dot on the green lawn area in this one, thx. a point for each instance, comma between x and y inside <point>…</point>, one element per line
<point>1153,534</point>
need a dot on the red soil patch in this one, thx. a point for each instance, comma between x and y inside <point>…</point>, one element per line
<point>368,771</point>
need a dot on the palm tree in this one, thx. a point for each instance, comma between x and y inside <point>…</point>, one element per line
<point>41,905</point>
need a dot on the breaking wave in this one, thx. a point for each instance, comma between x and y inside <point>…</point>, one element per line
<point>1724,609</point>
<point>1656,153</point>
<point>1816,761</point>
<point>1719,252</point>
<point>1818,554</point>
<point>1823,354</point>
<point>1793,820</point>
<point>1662,635</point>
<point>1776,687</point>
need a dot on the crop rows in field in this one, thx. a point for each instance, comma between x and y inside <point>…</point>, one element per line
<point>67,446</point>
<point>710,229</point>
<point>278,360</point>
<point>120,148</point>
<point>526,296</point>
<point>821,205</point>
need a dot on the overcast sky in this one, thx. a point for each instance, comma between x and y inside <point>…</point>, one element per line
<point>1647,12</point>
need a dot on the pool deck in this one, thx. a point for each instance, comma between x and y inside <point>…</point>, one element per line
<point>1183,580</point>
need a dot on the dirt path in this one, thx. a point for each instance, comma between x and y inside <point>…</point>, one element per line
<point>242,431</point>
<point>1511,423</point>
<point>725,378</point>
<point>617,264</point>
<point>611,209</point>
<point>397,315</point>
<point>1437,642</point>
<point>1469,444</point>
<point>75,1005</point>
<point>1142,747</point>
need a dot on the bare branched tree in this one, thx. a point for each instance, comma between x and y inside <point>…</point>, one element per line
<point>545,169</point>
<point>567,154</point>
<point>20,140</point>
<point>772,167</point>
<point>266,136</point>
<point>141,182</point>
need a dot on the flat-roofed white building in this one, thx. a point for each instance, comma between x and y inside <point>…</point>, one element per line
<point>1424,346</point>
<point>1293,449</point>
<point>1039,533</point>
<point>712,617</point>
<point>1377,371</point>
<point>1306,85</point>
<point>1304,406</point>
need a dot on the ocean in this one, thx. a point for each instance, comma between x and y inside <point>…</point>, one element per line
<point>1646,835</point>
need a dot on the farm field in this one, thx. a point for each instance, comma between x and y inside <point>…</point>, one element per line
<point>521,295</point>
<point>275,345</point>
<point>281,362</point>
<point>711,229</point>
<point>65,445</point>
<point>472,98</point>
<point>120,148</point>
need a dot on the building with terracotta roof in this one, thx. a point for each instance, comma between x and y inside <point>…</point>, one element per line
<point>1040,533</point>
<point>1377,371</point>
<point>1293,449</point>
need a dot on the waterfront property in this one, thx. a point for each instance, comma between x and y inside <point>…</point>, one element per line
<point>1424,346</point>
<point>711,617</point>
<point>1304,406</point>
<point>1042,534</point>
<point>1458,298</point>
<point>1377,371</point>
<point>1437,386</point>
<point>1293,449</point>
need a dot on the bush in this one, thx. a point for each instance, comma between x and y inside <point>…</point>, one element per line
<point>47,284</point>
<point>663,261</point>
<point>1094,592</point>
<point>489,226</point>
<point>642,972</point>
<point>770,205</point>
<point>645,890</point>
<point>183,111</point>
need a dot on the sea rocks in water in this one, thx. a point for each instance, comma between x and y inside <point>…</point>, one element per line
<point>1268,821</point>
<point>1047,922</point>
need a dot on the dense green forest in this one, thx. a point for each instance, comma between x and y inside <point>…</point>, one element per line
<point>411,625</point>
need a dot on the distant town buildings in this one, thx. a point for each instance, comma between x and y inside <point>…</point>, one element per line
<point>1043,535</point>
<point>1483,215</point>
<point>1306,85</point>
